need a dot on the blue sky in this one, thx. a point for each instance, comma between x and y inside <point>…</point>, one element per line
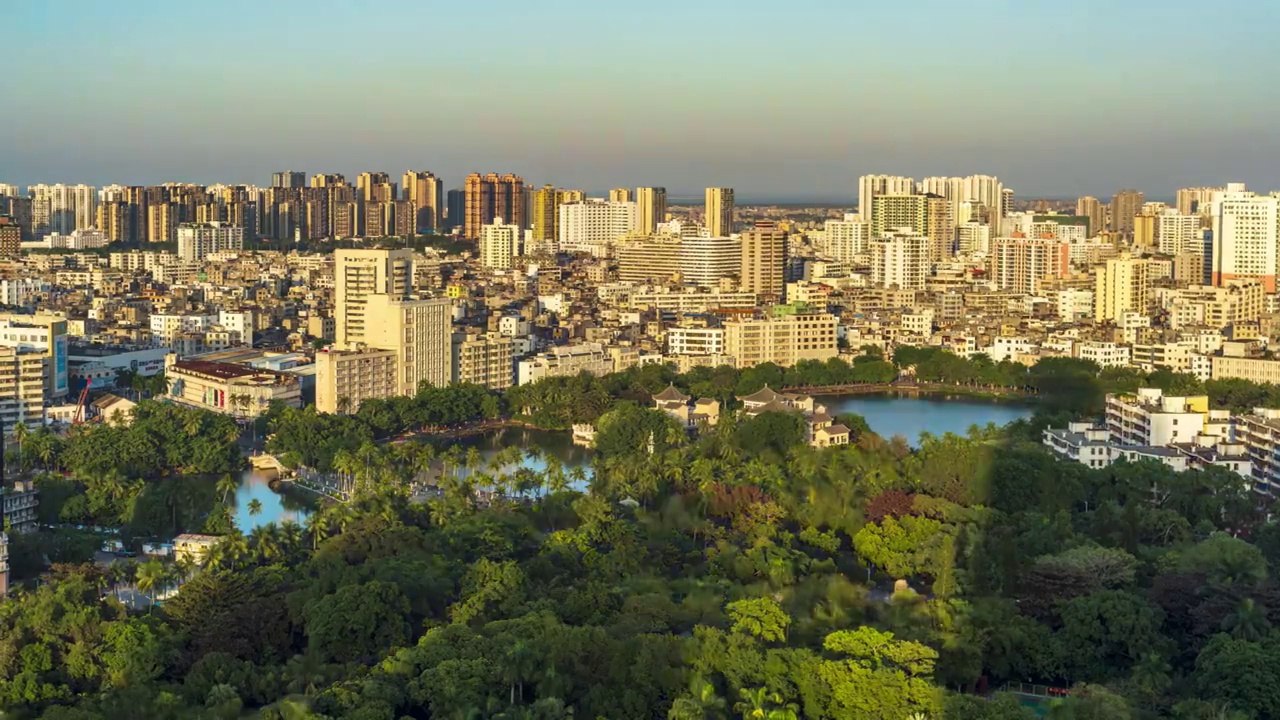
<point>776,99</point>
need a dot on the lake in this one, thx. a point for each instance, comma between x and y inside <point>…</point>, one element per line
<point>910,415</point>
<point>888,415</point>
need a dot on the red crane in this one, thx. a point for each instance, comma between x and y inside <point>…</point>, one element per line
<point>80,404</point>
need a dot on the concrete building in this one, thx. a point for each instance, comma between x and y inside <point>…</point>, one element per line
<point>973,239</point>
<point>940,224</point>
<point>1022,264</point>
<point>197,240</point>
<point>1121,285</point>
<point>346,378</point>
<point>894,212</point>
<point>764,260</point>
<point>493,196</point>
<point>1196,200</point>
<point>1257,370</point>
<point>43,334</point>
<point>1149,417</point>
<point>1245,237</point>
<point>622,195</point>
<point>500,244</point>
<point>22,387</point>
<point>592,358</point>
<point>484,359</point>
<point>869,186</point>
<point>1091,208</point>
<point>419,332</point>
<point>1125,206</point>
<point>654,259</point>
<point>1177,234</point>
<point>19,503</point>
<point>705,261</point>
<point>719,212</point>
<point>651,209</point>
<point>425,193</point>
<point>544,213</point>
<point>594,226</point>
<point>847,239</point>
<point>784,340</point>
<point>229,388</point>
<point>10,238</point>
<point>358,274</point>
<point>695,341</point>
<point>62,208</point>
<point>901,260</point>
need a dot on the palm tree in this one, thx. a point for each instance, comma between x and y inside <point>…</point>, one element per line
<point>255,507</point>
<point>1248,622</point>
<point>343,404</point>
<point>151,575</point>
<point>20,435</point>
<point>227,486</point>
<point>702,703</point>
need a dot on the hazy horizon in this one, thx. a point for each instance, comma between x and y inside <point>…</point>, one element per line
<point>792,101</point>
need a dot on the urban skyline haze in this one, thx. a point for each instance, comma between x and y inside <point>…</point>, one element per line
<point>785,102</point>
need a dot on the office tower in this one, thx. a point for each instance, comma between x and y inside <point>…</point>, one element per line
<point>658,259</point>
<point>651,206</point>
<point>1121,285</point>
<point>10,237</point>
<point>1177,233</point>
<point>375,187</point>
<point>1124,207</point>
<point>327,180</point>
<point>499,244</point>
<point>900,259</point>
<point>940,226</point>
<point>719,211</point>
<point>196,240</point>
<point>1244,237</point>
<point>973,238</point>
<point>1196,200</point>
<point>869,186</point>
<point>893,212</point>
<point>288,179</point>
<point>456,200</point>
<point>62,209</point>
<point>705,261</point>
<point>357,274</point>
<point>426,192</point>
<point>1021,264</point>
<point>846,239</point>
<point>543,215</point>
<point>420,332</point>
<point>764,261</point>
<point>621,195</point>
<point>493,196</point>
<point>594,226</point>
<point>162,222</point>
<point>1090,207</point>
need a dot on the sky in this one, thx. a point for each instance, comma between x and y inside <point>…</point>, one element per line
<point>780,100</point>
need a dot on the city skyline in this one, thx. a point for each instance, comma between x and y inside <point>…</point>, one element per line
<point>794,102</point>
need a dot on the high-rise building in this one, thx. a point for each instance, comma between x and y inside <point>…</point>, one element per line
<point>1144,230</point>
<point>196,240</point>
<point>1090,207</point>
<point>1244,237</point>
<point>764,261</point>
<point>651,207</point>
<point>425,191</point>
<point>973,238</point>
<point>1177,233</point>
<point>621,195</point>
<point>869,186</point>
<point>846,239</point>
<point>487,360</point>
<point>719,211</point>
<point>594,226</point>
<point>62,208</point>
<point>892,212</point>
<point>1125,206</point>
<point>901,259</point>
<point>10,237</point>
<point>705,261</point>
<point>543,215</point>
<point>1196,200</point>
<point>456,200</point>
<point>7,190</point>
<point>358,274</point>
<point>940,224</point>
<point>655,259</point>
<point>493,196</point>
<point>500,244</point>
<point>1022,264</point>
<point>288,179</point>
<point>162,222</point>
<point>419,332</point>
<point>1121,285</point>
<point>327,180</point>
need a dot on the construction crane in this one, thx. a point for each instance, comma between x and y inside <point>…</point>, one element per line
<point>81,403</point>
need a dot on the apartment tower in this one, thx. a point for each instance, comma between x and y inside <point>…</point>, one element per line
<point>719,211</point>
<point>493,196</point>
<point>358,274</point>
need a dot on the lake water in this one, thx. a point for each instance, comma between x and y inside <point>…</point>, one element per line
<point>908,415</point>
<point>888,415</point>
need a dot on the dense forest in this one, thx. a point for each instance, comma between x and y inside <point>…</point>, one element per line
<point>737,574</point>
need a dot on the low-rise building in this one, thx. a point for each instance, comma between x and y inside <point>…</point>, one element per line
<point>19,503</point>
<point>568,360</point>
<point>229,388</point>
<point>193,547</point>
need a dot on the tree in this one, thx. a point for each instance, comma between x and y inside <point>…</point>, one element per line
<point>255,507</point>
<point>1248,622</point>
<point>759,617</point>
<point>357,622</point>
<point>701,702</point>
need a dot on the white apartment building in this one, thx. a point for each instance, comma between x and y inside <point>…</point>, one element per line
<point>695,341</point>
<point>593,226</point>
<point>1105,354</point>
<point>902,260</point>
<point>196,240</point>
<point>62,208</point>
<point>1244,237</point>
<point>357,274</point>
<point>1177,234</point>
<point>686,302</point>
<point>81,239</point>
<point>705,261</point>
<point>1074,305</point>
<point>1259,431</point>
<point>21,291</point>
<point>1150,417</point>
<point>973,239</point>
<point>844,240</point>
<point>138,260</point>
<point>1008,348</point>
<point>500,244</point>
<point>560,361</point>
<point>869,186</point>
<point>784,340</point>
